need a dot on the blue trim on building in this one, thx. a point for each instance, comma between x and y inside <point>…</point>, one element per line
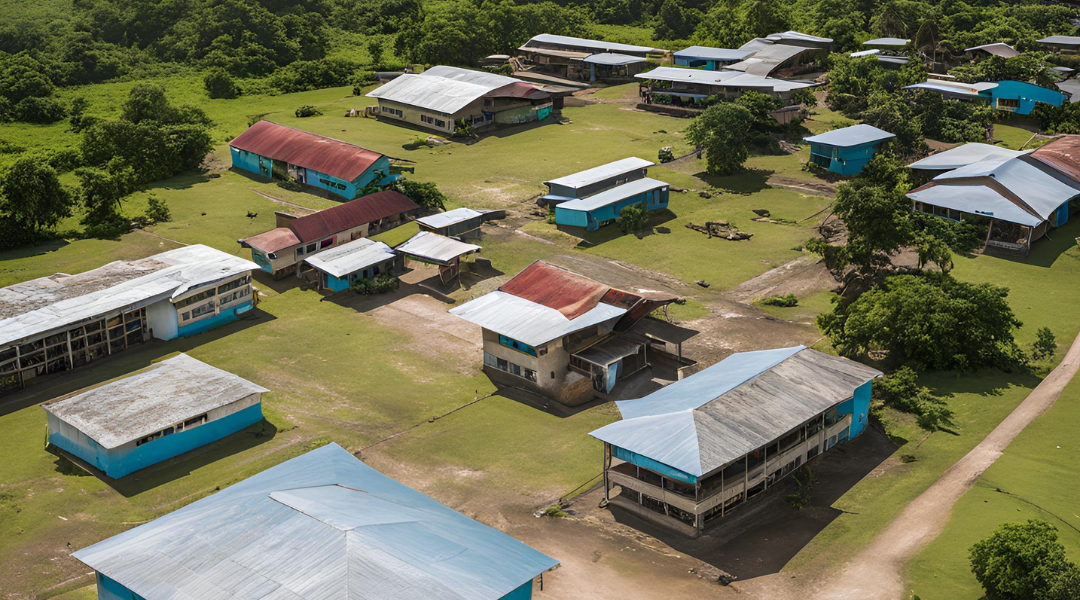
<point>109,589</point>
<point>593,219</point>
<point>1027,94</point>
<point>652,465</point>
<point>516,345</point>
<point>847,161</point>
<point>263,167</point>
<point>522,593</point>
<point>224,317</point>
<point>118,462</point>
<point>858,406</point>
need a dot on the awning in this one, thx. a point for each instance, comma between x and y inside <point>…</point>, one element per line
<point>663,331</point>
<point>609,351</point>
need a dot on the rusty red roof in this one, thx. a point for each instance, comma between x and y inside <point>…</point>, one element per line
<point>554,287</point>
<point>273,240</point>
<point>1062,154</point>
<point>518,89</point>
<point>353,213</point>
<point>312,151</point>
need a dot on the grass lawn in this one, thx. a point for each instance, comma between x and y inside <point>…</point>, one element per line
<point>1012,135</point>
<point>1034,478</point>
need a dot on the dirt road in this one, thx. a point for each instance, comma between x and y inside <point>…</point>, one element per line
<point>876,573</point>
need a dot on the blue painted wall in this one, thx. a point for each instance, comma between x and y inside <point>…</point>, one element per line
<point>522,593</point>
<point>249,161</point>
<point>652,465</point>
<point>858,407</point>
<point>1027,93</point>
<point>109,589</point>
<point>123,461</point>
<point>337,285</point>
<point>702,63</point>
<point>845,161</point>
<point>591,220</point>
<point>1062,215</point>
<point>226,316</point>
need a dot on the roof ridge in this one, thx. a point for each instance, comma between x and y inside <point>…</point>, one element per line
<point>297,129</point>
<point>802,348</point>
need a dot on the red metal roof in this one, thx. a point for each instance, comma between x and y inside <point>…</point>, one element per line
<point>1062,154</point>
<point>519,89</point>
<point>554,287</point>
<point>323,154</point>
<point>353,213</point>
<point>273,240</point>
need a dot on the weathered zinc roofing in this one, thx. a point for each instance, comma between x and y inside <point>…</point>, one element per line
<point>724,79</point>
<point>613,59</point>
<point>602,173</point>
<point>450,217</point>
<point>796,37</point>
<point>770,56</point>
<point>734,407</point>
<point>862,53</point>
<point>598,45</point>
<point>970,90</point>
<point>352,257</point>
<point>1071,88</point>
<point>322,526</point>
<point>528,322</point>
<point>323,154</point>
<point>171,273</point>
<point>974,200</point>
<point>354,213</point>
<point>441,89</point>
<point>846,137</point>
<point>1060,40</point>
<point>435,248</point>
<point>484,78</point>
<point>961,156</point>
<point>613,195</point>
<point>997,49</point>
<point>1041,192</point>
<point>273,240</point>
<point>707,53</point>
<point>555,287</point>
<point>887,41</point>
<point>1062,154</point>
<point>166,393</point>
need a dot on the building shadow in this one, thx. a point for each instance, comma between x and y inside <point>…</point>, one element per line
<point>280,286</point>
<point>760,537</point>
<point>1046,251</point>
<point>542,403</point>
<point>658,221</point>
<point>173,468</point>
<point>112,367</point>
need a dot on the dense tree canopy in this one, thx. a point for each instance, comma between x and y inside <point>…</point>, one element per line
<point>1025,561</point>
<point>722,131</point>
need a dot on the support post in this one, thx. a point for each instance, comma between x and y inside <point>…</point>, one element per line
<point>765,468</point>
<point>607,465</point>
<point>723,500</point>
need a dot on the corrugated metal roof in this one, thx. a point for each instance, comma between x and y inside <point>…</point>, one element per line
<point>975,200</point>
<point>1040,191</point>
<point>610,350</point>
<point>765,60</point>
<point>862,53</point>
<point>484,78</point>
<point>354,213</point>
<point>1061,40</point>
<point>176,271</point>
<point>613,195</point>
<point>450,217</point>
<point>273,240</point>
<point>856,135</point>
<point>962,156</point>
<point>349,258</point>
<point>557,288</point>
<point>612,59</point>
<point>1062,154</point>
<point>887,41</point>
<point>796,36</point>
<point>948,87</point>
<point>997,49</point>
<point>707,53</point>
<point>734,407</point>
<point>601,173</point>
<point>725,79</point>
<point>442,89</point>
<point>435,248</point>
<point>166,393</point>
<point>324,154</point>
<point>598,45</point>
<point>1070,87</point>
<point>894,60</point>
<point>322,526</point>
<point>529,322</point>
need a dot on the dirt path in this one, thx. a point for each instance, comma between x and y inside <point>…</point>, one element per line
<point>877,572</point>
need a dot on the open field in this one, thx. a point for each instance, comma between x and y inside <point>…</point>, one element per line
<point>355,370</point>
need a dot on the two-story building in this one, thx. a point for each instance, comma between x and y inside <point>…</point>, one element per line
<point>687,454</point>
<point>1018,97</point>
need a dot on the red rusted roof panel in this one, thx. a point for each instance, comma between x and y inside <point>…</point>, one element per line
<point>366,209</point>
<point>554,287</point>
<point>324,154</point>
<point>273,240</point>
<point>1062,154</point>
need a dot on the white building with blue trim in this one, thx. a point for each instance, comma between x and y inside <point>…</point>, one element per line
<point>163,411</point>
<point>322,526</point>
<point>690,452</point>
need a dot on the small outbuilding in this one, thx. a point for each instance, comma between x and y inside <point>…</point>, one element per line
<point>1000,49</point>
<point>463,223</point>
<point>445,252</point>
<point>320,526</point>
<point>152,415</point>
<point>1061,43</point>
<point>709,59</point>
<point>847,150</point>
<point>597,179</point>
<point>340,267</point>
<point>600,209</point>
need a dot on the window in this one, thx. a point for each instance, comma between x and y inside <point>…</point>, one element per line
<point>299,252</point>
<point>432,121</point>
<point>310,248</point>
<point>391,111</point>
<point>326,243</point>
<point>201,310</point>
<point>232,285</point>
<point>233,296</point>
<point>1008,103</point>
<point>196,298</point>
<point>516,345</point>
<point>194,422</point>
<point>502,364</point>
<point>530,375</point>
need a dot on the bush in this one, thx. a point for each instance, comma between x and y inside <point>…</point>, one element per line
<point>307,111</point>
<point>462,129</point>
<point>787,301</point>
<point>1023,561</point>
<point>219,84</point>
<point>427,195</point>
<point>901,391</point>
<point>380,284</point>
<point>39,110</point>
<point>157,210</point>
<point>1045,344</point>
<point>290,184</point>
<point>633,218</point>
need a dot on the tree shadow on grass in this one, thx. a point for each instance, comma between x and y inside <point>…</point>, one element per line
<point>1046,251</point>
<point>658,224</point>
<point>35,250</point>
<point>748,182</point>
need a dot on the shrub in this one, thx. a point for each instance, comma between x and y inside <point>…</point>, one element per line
<point>39,110</point>
<point>380,284</point>
<point>426,194</point>
<point>157,210</point>
<point>787,301</point>
<point>219,84</point>
<point>901,391</point>
<point>307,111</point>
<point>462,129</point>
<point>633,218</point>
<point>1023,561</point>
<point>1045,344</point>
<point>290,184</point>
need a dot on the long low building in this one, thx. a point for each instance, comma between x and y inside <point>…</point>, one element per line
<point>342,266</point>
<point>163,411</point>
<point>62,321</point>
<point>442,97</point>
<point>1017,97</point>
<point>584,59</point>
<point>694,86</point>
<point>321,526</point>
<point>593,212</point>
<point>688,453</point>
<point>444,252</point>
<point>1020,197</point>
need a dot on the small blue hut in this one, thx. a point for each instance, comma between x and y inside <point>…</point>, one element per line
<point>846,151</point>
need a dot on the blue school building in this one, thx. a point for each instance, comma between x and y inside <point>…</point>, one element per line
<point>846,151</point>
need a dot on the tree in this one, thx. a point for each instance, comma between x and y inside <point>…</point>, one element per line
<point>929,319</point>
<point>675,22</point>
<point>219,84</point>
<point>721,130</point>
<point>32,199</point>
<point>375,49</point>
<point>763,17</point>
<point>146,101</point>
<point>1022,561</point>
<point>901,390</point>
<point>426,194</point>
<point>633,218</point>
<point>1045,344</point>
<point>103,189</point>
